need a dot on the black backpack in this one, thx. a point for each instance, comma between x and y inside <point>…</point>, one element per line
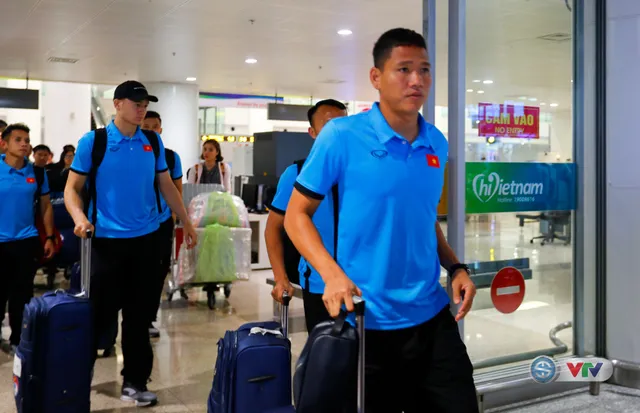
<point>97,156</point>
<point>291,254</point>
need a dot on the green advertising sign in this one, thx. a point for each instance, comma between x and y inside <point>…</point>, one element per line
<point>519,187</point>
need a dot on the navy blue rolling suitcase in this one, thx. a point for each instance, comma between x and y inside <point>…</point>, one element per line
<point>253,369</point>
<point>106,339</point>
<point>53,365</point>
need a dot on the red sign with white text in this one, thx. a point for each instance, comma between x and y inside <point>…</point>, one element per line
<point>508,121</point>
<point>507,290</point>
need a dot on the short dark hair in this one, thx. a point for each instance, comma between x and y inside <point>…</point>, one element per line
<point>3,124</point>
<point>153,115</point>
<point>326,102</point>
<point>14,126</point>
<point>392,39</point>
<point>41,148</point>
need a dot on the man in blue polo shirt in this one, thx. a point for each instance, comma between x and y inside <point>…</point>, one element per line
<point>153,122</point>
<point>123,204</point>
<point>389,164</point>
<point>314,309</point>
<point>20,246</point>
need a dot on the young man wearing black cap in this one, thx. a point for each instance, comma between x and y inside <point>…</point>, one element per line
<point>126,171</point>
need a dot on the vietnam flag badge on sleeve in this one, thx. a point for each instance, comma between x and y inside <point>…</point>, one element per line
<point>433,161</point>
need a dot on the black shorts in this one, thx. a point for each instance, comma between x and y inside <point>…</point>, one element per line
<point>420,369</point>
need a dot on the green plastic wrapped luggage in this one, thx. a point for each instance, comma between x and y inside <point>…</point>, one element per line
<point>216,261</point>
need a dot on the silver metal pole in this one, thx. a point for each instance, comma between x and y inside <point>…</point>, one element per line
<point>429,33</point>
<point>457,68</point>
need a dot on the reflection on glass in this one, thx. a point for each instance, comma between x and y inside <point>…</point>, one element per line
<point>518,109</point>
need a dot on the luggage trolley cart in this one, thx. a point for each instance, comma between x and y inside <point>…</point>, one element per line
<point>210,288</point>
<point>190,191</point>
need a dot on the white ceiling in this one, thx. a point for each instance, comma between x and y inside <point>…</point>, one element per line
<point>294,41</point>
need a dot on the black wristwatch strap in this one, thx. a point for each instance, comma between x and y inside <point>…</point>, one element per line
<point>51,237</point>
<point>459,266</point>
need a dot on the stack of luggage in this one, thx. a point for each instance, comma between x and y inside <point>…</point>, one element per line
<point>253,368</point>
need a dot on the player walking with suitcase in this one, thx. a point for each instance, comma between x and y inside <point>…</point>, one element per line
<point>285,259</point>
<point>126,172</point>
<point>389,164</point>
<point>22,187</point>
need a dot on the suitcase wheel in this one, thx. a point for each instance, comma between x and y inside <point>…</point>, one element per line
<point>227,290</point>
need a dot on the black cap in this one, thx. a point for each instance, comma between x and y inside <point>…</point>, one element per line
<point>134,91</point>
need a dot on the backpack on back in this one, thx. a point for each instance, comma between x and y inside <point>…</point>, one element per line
<point>292,256</point>
<point>97,156</point>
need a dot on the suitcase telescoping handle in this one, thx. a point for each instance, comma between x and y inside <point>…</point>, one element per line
<point>284,314</point>
<point>85,264</point>
<point>359,309</point>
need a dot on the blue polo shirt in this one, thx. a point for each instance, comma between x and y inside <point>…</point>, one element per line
<point>175,173</point>
<point>322,219</point>
<point>389,191</point>
<point>126,198</point>
<point>17,195</point>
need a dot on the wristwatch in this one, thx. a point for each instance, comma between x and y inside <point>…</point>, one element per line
<point>459,266</point>
<point>51,237</point>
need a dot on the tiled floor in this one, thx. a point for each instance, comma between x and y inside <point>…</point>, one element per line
<point>186,351</point>
<point>612,399</point>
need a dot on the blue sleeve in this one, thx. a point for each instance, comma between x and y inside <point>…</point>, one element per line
<point>324,165</point>
<point>44,189</point>
<point>284,190</point>
<point>177,168</point>
<point>161,162</point>
<point>82,160</point>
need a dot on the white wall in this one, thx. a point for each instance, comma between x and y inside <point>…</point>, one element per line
<point>63,117</point>
<point>66,114</point>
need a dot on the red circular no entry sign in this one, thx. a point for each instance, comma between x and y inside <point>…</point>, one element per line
<point>507,290</point>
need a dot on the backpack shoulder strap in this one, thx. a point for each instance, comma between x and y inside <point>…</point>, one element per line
<point>152,137</point>
<point>99,148</point>
<point>39,173</point>
<point>170,157</point>
<point>299,163</point>
<point>97,155</point>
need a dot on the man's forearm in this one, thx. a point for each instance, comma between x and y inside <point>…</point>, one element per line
<point>174,200</point>
<point>305,237</point>
<point>445,252</point>
<point>47,218</point>
<point>75,206</point>
<point>275,247</point>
